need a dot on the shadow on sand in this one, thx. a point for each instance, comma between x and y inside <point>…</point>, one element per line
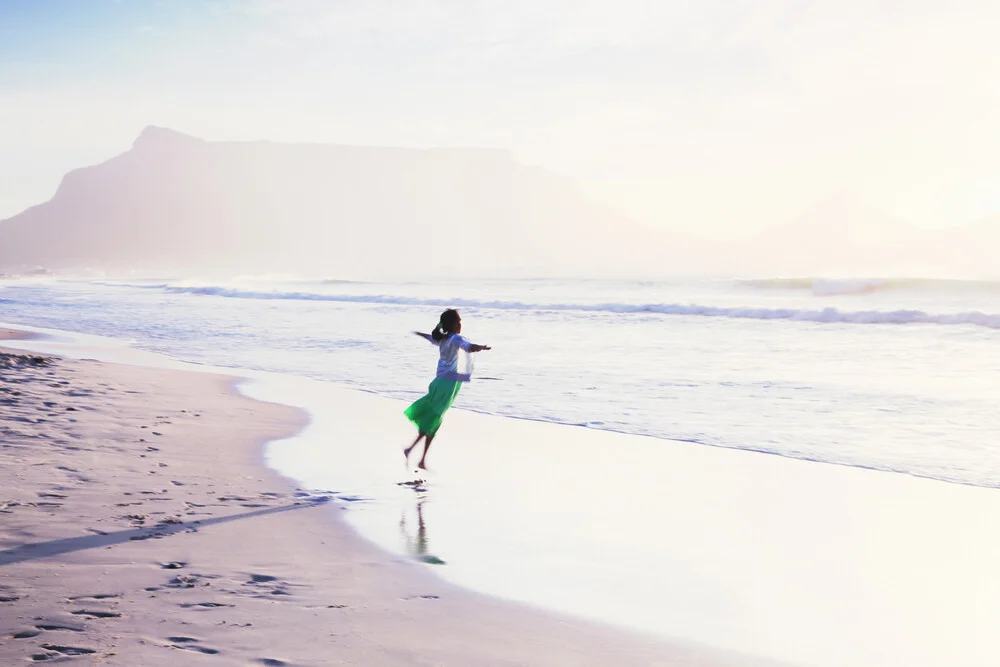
<point>70,544</point>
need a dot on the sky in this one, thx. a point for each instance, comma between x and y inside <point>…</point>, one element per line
<point>717,117</point>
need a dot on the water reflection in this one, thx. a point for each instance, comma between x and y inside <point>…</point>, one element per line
<point>415,543</point>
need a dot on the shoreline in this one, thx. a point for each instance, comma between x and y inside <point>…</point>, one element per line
<point>209,550</point>
<point>14,334</point>
<point>719,554</point>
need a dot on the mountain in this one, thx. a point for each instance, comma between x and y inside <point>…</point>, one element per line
<point>838,236</point>
<point>176,202</point>
<point>974,247</point>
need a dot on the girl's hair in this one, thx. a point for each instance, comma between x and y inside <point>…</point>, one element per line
<point>446,325</point>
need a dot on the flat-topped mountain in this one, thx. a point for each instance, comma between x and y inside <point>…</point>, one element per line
<point>176,202</point>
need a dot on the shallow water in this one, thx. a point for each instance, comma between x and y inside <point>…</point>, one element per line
<point>824,565</point>
<point>901,378</point>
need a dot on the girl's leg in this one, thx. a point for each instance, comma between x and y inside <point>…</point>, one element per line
<point>427,446</point>
<point>406,452</point>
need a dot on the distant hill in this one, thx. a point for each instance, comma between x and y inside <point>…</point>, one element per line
<point>842,237</point>
<point>175,202</point>
<point>974,247</point>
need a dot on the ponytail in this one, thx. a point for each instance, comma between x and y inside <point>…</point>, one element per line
<point>447,325</point>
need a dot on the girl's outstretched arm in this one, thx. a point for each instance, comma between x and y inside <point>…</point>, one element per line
<point>425,336</point>
<point>478,348</point>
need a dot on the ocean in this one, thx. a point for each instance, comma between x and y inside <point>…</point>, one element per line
<point>899,377</point>
<point>891,375</point>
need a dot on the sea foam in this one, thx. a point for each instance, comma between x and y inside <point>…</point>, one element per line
<point>828,315</point>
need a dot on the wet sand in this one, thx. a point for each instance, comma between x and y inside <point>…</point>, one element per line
<point>139,526</point>
<point>11,334</point>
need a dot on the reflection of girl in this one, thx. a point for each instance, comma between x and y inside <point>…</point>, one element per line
<point>417,545</point>
<point>426,412</point>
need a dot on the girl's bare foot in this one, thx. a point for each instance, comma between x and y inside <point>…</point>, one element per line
<point>406,452</point>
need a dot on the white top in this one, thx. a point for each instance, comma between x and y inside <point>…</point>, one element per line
<point>448,363</point>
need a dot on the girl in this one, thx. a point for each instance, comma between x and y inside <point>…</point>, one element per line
<point>426,413</point>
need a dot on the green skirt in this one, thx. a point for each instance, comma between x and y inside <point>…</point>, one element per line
<point>427,411</point>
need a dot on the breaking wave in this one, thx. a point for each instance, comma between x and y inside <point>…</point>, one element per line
<point>824,315</point>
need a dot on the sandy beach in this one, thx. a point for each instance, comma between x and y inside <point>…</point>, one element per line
<point>140,527</point>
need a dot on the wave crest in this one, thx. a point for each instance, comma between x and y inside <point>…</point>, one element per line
<point>825,315</point>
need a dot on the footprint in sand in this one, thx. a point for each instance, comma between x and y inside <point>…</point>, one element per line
<point>188,644</point>
<point>195,647</point>
<point>96,613</point>
<point>204,605</point>
<point>268,585</point>
<point>26,634</point>
<point>68,650</point>
<point>270,662</point>
<point>187,581</point>
<point>59,625</point>
<point>97,596</point>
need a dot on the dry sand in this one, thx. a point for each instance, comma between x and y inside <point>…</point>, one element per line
<point>139,526</point>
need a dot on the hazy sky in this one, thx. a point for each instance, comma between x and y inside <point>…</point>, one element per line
<point>719,117</point>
